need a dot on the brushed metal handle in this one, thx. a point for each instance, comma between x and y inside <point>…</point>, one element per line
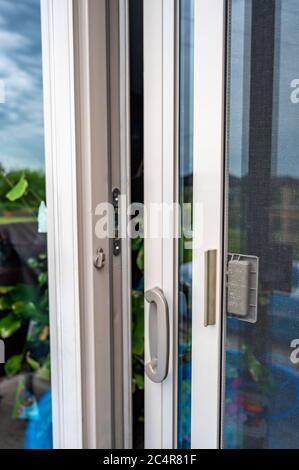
<point>211,287</point>
<point>157,368</point>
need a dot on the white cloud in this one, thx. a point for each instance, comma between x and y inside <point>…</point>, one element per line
<point>21,117</point>
<point>12,41</point>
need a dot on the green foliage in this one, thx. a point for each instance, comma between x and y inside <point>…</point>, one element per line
<point>140,259</point>
<point>14,365</point>
<point>32,363</point>
<point>138,379</point>
<point>257,371</point>
<point>138,321</point>
<point>22,305</point>
<point>137,243</point>
<point>9,325</point>
<point>5,290</point>
<point>25,304</point>
<point>4,303</point>
<point>43,279</point>
<point>18,190</point>
<point>44,372</point>
<point>21,190</point>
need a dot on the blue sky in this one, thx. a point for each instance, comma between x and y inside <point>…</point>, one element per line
<point>21,116</point>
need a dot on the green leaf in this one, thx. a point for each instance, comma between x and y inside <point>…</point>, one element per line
<point>138,323</point>
<point>31,362</point>
<point>6,290</point>
<point>43,279</point>
<point>43,303</point>
<point>140,259</point>
<point>24,309</point>
<point>13,365</point>
<point>33,263</point>
<point>4,303</point>
<point>137,345</point>
<point>9,325</point>
<point>139,381</point>
<point>44,372</point>
<point>24,292</point>
<point>258,372</point>
<point>136,243</point>
<point>18,190</point>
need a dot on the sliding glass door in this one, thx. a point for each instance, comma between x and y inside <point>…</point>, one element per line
<point>244,344</point>
<point>222,136</point>
<point>183,157</point>
<point>261,404</point>
<point>185,170</point>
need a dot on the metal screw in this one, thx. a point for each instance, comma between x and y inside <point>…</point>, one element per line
<point>100,259</point>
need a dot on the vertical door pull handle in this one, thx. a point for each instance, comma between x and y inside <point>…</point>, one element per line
<point>157,368</point>
<point>211,287</point>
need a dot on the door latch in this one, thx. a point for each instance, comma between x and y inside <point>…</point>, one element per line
<point>242,287</point>
<point>116,206</point>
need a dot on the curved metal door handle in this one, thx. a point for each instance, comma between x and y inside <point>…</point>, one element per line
<point>157,368</point>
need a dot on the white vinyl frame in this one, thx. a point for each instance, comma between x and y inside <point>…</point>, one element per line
<point>125,154</point>
<point>159,171</point>
<point>208,220</point>
<point>63,263</point>
<point>76,110</point>
<point>80,417</point>
<point>159,182</point>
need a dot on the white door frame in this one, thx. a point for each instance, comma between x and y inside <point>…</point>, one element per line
<point>61,182</point>
<point>83,315</point>
<point>125,185</point>
<point>159,183</point>
<point>74,51</point>
<point>160,95</point>
<point>208,201</point>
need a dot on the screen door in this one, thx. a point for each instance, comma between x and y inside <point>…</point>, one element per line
<point>261,374</point>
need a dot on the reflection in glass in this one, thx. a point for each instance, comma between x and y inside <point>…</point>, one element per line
<point>262,382</point>
<point>186,197</point>
<point>25,393</point>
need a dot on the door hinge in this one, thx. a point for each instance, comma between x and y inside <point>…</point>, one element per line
<point>116,206</point>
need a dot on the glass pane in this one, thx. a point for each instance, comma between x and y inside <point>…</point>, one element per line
<point>262,374</point>
<point>186,198</point>
<point>25,393</point>
<point>137,189</point>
